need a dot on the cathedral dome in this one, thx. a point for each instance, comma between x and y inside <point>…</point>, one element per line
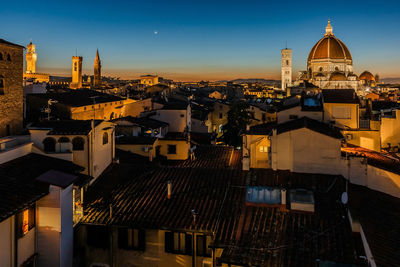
<point>338,76</point>
<point>329,47</point>
<point>366,75</point>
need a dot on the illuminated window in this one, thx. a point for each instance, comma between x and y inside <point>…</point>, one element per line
<point>178,242</point>
<point>25,221</point>
<point>263,149</point>
<point>105,138</point>
<point>131,239</point>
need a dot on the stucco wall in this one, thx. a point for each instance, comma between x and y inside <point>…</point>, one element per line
<point>306,151</point>
<point>284,115</point>
<point>7,242</point>
<point>390,129</point>
<point>351,121</point>
<point>182,149</point>
<point>154,254</point>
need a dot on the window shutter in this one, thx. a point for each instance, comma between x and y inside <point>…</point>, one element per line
<point>31,219</point>
<point>168,241</point>
<point>188,244</point>
<point>19,224</point>
<point>122,237</point>
<point>142,240</point>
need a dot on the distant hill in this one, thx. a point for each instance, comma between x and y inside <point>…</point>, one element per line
<point>391,80</point>
<point>254,80</point>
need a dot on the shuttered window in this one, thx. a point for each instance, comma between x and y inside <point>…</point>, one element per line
<point>178,242</point>
<point>131,239</point>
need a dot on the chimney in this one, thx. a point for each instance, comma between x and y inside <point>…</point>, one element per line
<point>169,189</point>
<point>194,215</point>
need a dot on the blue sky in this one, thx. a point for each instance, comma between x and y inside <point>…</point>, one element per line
<point>201,39</point>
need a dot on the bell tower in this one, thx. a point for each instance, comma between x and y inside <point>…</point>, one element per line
<point>286,68</point>
<point>76,72</point>
<point>97,70</point>
<point>31,58</point>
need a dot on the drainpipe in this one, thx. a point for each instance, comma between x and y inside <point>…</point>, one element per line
<point>16,240</point>
<point>193,252</point>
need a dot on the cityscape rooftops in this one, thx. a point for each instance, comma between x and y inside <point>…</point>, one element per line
<point>65,127</point>
<point>2,41</point>
<point>346,96</point>
<point>311,124</point>
<point>79,98</point>
<point>18,188</point>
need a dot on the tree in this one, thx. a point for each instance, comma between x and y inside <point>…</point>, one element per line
<point>238,118</point>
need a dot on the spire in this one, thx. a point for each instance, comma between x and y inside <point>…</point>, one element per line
<point>97,55</point>
<point>328,29</point>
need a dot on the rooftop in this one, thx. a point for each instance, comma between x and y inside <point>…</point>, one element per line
<point>379,216</point>
<point>346,96</point>
<point>143,121</point>
<point>382,160</point>
<point>79,98</point>
<point>65,127</point>
<point>2,41</point>
<point>135,140</point>
<point>18,189</point>
<point>311,124</point>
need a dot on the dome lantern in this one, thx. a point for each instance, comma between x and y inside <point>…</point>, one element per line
<point>328,29</point>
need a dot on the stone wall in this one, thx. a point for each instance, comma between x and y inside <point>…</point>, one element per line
<point>11,100</point>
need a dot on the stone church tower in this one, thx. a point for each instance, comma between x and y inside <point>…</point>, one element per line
<point>286,68</point>
<point>97,70</point>
<point>11,91</point>
<point>31,58</point>
<point>76,72</point>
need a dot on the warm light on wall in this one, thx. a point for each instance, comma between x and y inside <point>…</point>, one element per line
<point>25,222</point>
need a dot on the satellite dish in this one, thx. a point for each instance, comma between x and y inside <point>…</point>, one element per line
<point>345,198</point>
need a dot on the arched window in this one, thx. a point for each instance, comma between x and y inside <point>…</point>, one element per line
<point>78,143</point>
<point>105,138</point>
<point>336,68</point>
<point>1,56</point>
<point>63,139</point>
<point>8,57</point>
<point>49,144</point>
<point>320,68</point>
